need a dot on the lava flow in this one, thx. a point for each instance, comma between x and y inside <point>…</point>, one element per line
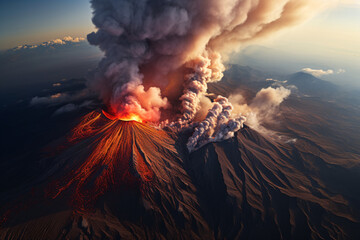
<point>112,153</point>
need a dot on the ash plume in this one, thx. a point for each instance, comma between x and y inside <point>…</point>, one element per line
<point>162,52</point>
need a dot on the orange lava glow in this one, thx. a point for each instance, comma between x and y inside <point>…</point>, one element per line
<point>122,117</point>
<point>112,157</point>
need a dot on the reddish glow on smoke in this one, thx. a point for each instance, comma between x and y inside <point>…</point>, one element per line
<point>113,159</point>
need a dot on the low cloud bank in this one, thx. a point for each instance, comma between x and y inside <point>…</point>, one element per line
<point>58,41</point>
<point>73,107</point>
<point>321,72</point>
<point>59,98</point>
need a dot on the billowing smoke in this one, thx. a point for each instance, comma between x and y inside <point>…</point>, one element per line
<point>206,68</point>
<point>160,54</point>
<point>217,125</point>
<point>262,108</point>
<point>268,98</point>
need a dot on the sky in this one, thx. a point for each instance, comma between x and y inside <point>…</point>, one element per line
<point>35,21</point>
<point>335,31</point>
<point>329,42</point>
<point>332,37</point>
<point>29,22</point>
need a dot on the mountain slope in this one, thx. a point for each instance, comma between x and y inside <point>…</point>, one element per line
<point>267,189</point>
<point>247,187</point>
<point>308,84</point>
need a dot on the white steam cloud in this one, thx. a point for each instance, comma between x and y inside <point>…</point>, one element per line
<point>160,52</point>
<point>262,107</point>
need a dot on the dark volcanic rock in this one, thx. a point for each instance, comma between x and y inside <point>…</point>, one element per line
<point>248,187</point>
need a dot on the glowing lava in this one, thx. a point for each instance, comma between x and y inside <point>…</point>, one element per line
<point>122,117</point>
<point>110,153</point>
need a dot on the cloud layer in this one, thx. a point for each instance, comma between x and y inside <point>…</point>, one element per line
<point>318,72</point>
<point>321,72</point>
<point>60,98</point>
<point>58,41</point>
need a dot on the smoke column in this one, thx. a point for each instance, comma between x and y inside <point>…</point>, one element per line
<point>161,54</point>
<point>217,125</point>
<point>206,68</point>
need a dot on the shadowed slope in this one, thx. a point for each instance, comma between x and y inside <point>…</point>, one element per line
<point>251,187</point>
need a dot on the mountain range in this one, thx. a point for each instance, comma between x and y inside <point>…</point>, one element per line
<point>298,180</point>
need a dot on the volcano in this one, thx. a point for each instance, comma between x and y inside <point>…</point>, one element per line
<point>112,153</point>
<point>129,180</point>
